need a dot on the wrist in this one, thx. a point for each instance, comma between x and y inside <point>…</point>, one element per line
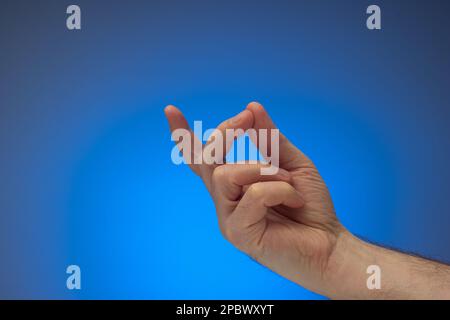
<point>401,276</point>
<point>346,274</point>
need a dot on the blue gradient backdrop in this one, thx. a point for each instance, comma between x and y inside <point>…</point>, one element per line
<point>85,170</point>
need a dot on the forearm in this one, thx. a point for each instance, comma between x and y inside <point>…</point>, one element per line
<point>402,276</point>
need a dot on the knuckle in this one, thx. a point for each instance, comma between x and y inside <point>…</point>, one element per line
<point>256,190</point>
<point>219,174</point>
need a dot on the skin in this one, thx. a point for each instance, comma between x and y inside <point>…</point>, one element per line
<point>287,222</point>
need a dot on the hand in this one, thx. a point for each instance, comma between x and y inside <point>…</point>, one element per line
<point>284,221</point>
<point>287,222</point>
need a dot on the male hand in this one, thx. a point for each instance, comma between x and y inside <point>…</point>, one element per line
<point>284,221</point>
<point>287,222</point>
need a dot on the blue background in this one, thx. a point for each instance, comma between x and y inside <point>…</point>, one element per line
<point>86,176</point>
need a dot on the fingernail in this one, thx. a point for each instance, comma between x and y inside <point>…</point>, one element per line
<point>169,108</point>
<point>254,103</point>
<point>236,118</point>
